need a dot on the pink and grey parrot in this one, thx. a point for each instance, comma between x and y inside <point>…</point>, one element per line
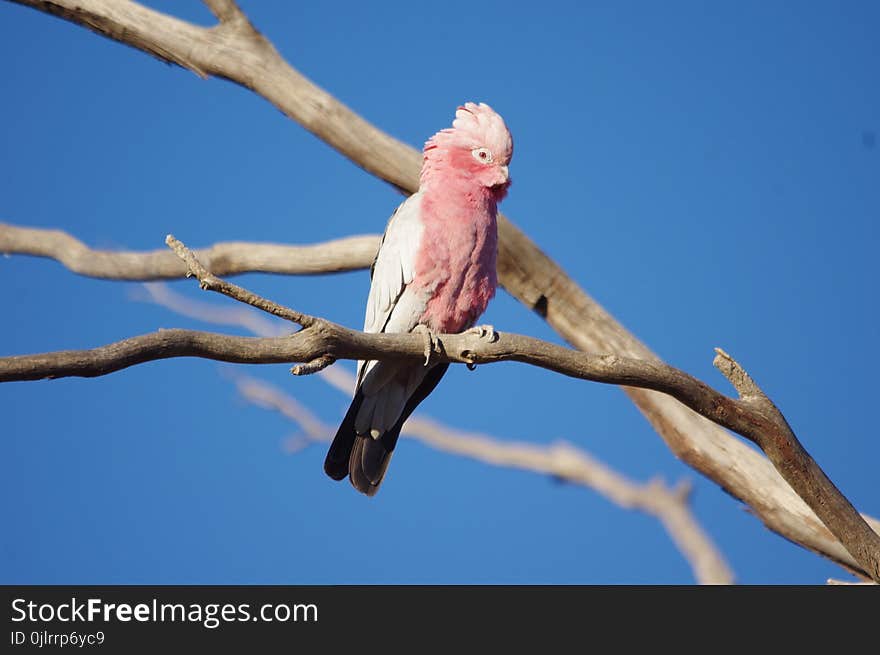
<point>434,273</point>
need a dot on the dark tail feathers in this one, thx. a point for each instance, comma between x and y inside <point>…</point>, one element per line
<point>364,459</point>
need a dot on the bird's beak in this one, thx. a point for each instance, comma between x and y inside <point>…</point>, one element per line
<point>505,173</point>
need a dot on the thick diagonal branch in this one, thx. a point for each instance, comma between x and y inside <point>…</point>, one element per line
<point>234,50</point>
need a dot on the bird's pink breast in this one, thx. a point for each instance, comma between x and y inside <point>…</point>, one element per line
<point>455,264</point>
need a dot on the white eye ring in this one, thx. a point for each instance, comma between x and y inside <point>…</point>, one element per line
<point>482,155</point>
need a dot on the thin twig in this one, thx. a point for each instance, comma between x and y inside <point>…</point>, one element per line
<point>226,314</point>
<point>314,366</point>
<point>741,381</point>
<point>211,282</point>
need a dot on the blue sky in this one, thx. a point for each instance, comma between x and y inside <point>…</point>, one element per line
<point>708,171</point>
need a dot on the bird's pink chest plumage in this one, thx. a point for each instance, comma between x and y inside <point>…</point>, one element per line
<point>455,263</point>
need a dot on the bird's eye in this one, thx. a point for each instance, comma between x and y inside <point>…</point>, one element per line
<point>482,155</point>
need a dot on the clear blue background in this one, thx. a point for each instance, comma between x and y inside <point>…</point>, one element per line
<point>708,171</point>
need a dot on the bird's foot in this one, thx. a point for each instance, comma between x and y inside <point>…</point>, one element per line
<point>484,332</point>
<point>432,343</point>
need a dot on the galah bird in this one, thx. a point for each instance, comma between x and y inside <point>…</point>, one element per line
<point>434,273</point>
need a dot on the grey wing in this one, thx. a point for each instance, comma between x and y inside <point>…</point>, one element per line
<point>392,306</point>
<point>394,266</point>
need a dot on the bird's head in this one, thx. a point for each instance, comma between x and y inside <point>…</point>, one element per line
<point>478,147</point>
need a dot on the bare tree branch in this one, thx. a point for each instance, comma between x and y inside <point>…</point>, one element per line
<point>235,51</point>
<point>320,342</point>
<point>324,337</point>
<point>561,460</point>
<point>315,366</point>
<point>164,296</point>
<point>352,253</point>
<point>568,463</point>
<point>211,282</point>
<point>225,10</point>
<point>244,317</point>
